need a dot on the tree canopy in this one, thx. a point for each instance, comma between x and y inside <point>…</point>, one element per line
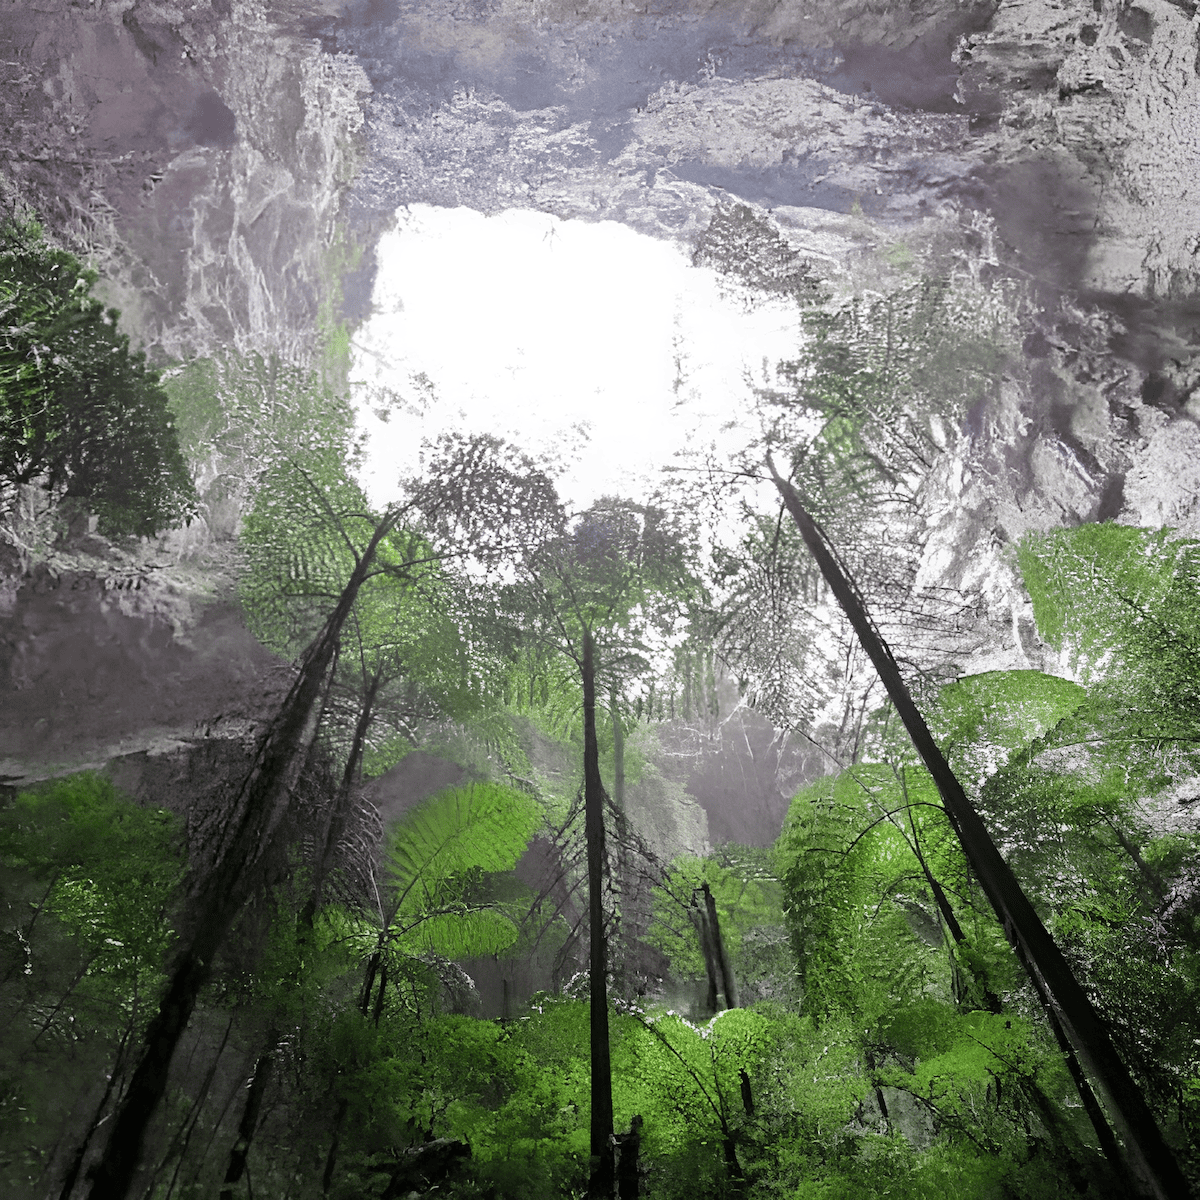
<point>294,992</point>
<point>80,413</point>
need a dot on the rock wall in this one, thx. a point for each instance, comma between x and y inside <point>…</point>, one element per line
<point>197,154</point>
<point>102,659</point>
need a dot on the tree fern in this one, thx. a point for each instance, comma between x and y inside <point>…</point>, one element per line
<point>439,849</point>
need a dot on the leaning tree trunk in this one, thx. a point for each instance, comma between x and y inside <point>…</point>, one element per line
<point>339,815</point>
<point>216,902</point>
<point>699,915</point>
<point>265,1066</point>
<point>1049,971</point>
<point>1103,1131</point>
<point>593,808</point>
<point>247,1126</point>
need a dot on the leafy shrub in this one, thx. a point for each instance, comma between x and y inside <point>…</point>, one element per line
<point>79,412</point>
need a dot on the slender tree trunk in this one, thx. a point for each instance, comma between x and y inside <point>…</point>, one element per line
<point>601,1184</point>
<point>249,1122</point>
<point>331,1157</point>
<point>618,729</point>
<point>1048,969</point>
<point>626,925</point>
<point>339,813</point>
<point>380,995</point>
<point>376,968</point>
<point>181,1142</point>
<point>81,1151</point>
<point>728,983</point>
<point>949,920</point>
<point>1104,1133</point>
<point>699,914</point>
<point>1152,881</point>
<point>628,1182</point>
<point>217,900</point>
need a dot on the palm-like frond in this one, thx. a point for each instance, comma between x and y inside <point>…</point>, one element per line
<point>480,827</point>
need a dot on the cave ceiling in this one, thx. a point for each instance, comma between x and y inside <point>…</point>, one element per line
<point>229,168</point>
<point>231,164</point>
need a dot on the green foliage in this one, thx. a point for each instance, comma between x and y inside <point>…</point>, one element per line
<point>110,866</point>
<point>1000,712</point>
<point>865,930</point>
<point>1123,605</point>
<point>1112,590</point>
<point>80,413</point>
<point>878,962</point>
<point>251,412</point>
<point>748,898</point>
<point>435,855</point>
<point>417,637</point>
<point>87,886</point>
<point>749,247</point>
<point>880,385</point>
<point>301,538</point>
<point>683,1078</point>
<point>874,401</point>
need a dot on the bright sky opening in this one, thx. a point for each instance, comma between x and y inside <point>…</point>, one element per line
<point>600,349</point>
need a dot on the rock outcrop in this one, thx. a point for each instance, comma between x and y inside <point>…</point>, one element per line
<point>197,154</point>
<point>103,658</point>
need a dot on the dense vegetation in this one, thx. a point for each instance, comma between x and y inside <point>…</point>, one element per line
<point>81,416</point>
<point>274,1002</point>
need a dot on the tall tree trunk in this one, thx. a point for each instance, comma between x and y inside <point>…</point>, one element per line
<point>728,983</point>
<point>1104,1133</point>
<point>249,1122</point>
<point>593,809</point>
<point>1152,880</point>
<point>699,915</point>
<point>1152,1158</point>
<point>339,813</point>
<point>628,1182</point>
<point>376,968</point>
<point>618,729</point>
<point>216,901</point>
<point>628,926</point>
<point>81,1150</point>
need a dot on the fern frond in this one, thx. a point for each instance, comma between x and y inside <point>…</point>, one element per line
<point>480,827</point>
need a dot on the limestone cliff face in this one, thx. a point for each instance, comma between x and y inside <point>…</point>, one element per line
<point>106,658</point>
<point>1088,121</point>
<point>197,153</point>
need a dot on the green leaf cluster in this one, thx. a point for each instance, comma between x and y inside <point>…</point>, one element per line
<point>749,902</point>
<point>79,412</point>
<point>88,888</point>
<point>435,857</point>
<point>739,243</point>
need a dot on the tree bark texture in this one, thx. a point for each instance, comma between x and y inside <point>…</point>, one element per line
<point>339,815</point>
<point>1104,1133</point>
<point>249,1122</point>
<point>1153,1160</point>
<point>216,901</point>
<point>629,1147</point>
<point>593,807</point>
<point>699,915</point>
<point>728,982</point>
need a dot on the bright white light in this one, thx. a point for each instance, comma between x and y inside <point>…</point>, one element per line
<point>585,343</point>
